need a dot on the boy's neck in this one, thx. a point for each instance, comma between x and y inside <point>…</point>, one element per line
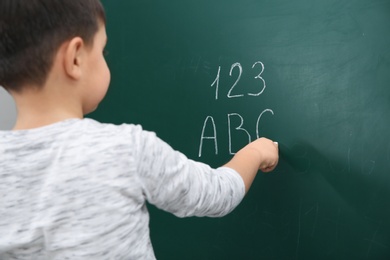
<point>38,120</point>
<point>37,108</point>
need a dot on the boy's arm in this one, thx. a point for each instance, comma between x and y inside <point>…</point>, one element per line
<point>261,154</point>
<point>184,187</point>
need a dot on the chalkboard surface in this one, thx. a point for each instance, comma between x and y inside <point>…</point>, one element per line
<point>314,75</point>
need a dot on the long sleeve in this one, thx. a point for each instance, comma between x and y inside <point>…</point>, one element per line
<point>176,184</point>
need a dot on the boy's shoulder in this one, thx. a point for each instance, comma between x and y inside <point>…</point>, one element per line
<point>72,129</point>
<point>113,133</point>
<point>94,125</point>
<point>95,129</point>
<point>79,134</point>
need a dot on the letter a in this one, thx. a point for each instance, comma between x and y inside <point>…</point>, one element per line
<point>214,136</point>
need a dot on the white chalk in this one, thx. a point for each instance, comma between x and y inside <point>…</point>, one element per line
<point>276,143</point>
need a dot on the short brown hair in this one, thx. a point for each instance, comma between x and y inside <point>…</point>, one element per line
<point>31,31</point>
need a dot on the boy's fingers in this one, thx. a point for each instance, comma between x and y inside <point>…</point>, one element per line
<point>268,168</point>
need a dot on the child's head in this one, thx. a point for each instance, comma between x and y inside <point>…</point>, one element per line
<point>31,32</point>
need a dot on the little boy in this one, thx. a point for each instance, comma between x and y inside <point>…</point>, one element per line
<point>74,188</point>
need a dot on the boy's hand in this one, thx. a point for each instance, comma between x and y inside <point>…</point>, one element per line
<point>268,153</point>
<point>262,154</point>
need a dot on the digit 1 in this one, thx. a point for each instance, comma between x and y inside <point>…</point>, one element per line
<point>216,82</point>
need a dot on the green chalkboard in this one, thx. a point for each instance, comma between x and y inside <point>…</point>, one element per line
<point>314,75</point>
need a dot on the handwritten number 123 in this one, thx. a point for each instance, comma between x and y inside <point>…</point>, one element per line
<point>237,66</point>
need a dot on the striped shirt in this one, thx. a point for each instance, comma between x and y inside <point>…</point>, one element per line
<point>77,189</point>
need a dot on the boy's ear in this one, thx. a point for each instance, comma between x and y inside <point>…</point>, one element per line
<point>74,58</point>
